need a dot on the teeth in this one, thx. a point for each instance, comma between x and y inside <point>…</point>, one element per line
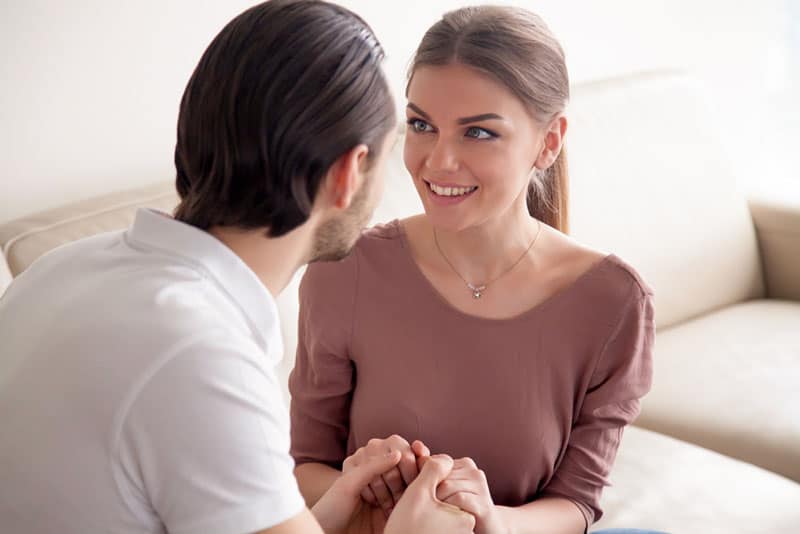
<point>451,191</point>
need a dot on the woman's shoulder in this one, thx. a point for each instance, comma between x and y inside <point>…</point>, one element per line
<point>610,278</point>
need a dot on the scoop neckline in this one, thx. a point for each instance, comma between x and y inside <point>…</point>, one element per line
<point>440,298</point>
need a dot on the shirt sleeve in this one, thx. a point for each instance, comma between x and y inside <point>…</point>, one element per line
<point>622,376</point>
<point>322,381</point>
<point>204,444</point>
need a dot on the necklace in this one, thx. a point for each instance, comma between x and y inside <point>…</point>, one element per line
<point>477,291</point>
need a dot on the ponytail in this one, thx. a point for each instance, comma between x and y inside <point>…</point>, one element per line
<point>548,194</point>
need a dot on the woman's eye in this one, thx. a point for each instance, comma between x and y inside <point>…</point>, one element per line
<point>479,133</point>
<point>419,125</point>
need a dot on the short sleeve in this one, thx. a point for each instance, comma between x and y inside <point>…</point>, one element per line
<point>322,381</point>
<point>622,376</point>
<point>204,444</point>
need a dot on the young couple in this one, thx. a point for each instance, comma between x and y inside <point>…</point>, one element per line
<point>138,390</point>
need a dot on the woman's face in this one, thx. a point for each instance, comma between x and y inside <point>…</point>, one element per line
<point>470,146</point>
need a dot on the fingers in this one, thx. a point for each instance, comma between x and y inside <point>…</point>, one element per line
<point>358,477</point>
<point>420,512</point>
<point>420,449</point>
<point>385,489</point>
<point>434,471</point>
<point>395,482</point>
<point>469,502</point>
<point>450,487</point>
<point>465,463</point>
<point>382,494</point>
<point>408,466</point>
<point>369,496</point>
<point>389,487</point>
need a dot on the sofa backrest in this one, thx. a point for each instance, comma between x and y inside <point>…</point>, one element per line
<point>651,182</point>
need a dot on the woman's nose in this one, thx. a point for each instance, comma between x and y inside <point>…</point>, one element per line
<point>443,157</point>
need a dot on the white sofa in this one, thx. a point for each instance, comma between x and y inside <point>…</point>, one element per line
<point>717,448</point>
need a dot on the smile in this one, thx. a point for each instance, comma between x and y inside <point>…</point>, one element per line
<point>450,191</point>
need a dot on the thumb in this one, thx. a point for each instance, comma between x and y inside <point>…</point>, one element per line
<point>434,470</point>
<point>360,476</point>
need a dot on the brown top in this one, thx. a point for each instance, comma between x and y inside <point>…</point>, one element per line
<point>538,401</point>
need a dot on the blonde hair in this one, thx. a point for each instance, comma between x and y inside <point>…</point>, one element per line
<point>515,47</point>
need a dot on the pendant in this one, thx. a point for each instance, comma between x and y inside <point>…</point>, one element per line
<point>477,292</point>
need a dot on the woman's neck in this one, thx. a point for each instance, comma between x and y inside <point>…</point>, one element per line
<point>482,253</point>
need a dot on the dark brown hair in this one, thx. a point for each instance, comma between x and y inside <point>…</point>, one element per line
<point>279,95</point>
<point>515,47</point>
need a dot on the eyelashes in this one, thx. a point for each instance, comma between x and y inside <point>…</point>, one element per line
<point>418,125</point>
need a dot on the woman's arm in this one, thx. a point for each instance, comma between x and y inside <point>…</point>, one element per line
<point>468,489</point>
<point>548,515</point>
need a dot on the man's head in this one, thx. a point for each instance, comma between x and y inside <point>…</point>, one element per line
<point>288,100</point>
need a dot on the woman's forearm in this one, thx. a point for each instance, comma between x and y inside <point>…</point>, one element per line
<point>314,479</point>
<point>548,515</point>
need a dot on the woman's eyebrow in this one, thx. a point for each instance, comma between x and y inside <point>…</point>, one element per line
<point>464,120</point>
<point>481,117</point>
<point>413,107</point>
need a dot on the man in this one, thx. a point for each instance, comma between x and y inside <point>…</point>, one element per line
<point>137,389</point>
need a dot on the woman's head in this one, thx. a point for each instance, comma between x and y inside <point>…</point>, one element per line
<point>281,93</point>
<point>499,61</point>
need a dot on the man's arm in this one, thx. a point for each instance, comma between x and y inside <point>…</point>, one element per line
<point>314,479</point>
<point>302,523</point>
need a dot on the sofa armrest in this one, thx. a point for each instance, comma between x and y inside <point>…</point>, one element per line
<point>777,225</point>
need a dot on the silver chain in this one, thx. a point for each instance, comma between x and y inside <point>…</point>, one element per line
<point>477,291</point>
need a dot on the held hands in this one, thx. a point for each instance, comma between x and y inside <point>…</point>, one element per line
<point>386,489</point>
<point>342,510</point>
<point>466,488</point>
<point>421,513</point>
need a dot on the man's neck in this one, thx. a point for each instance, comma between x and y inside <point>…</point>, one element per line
<point>273,259</point>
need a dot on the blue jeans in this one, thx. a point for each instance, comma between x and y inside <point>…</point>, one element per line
<point>626,531</point>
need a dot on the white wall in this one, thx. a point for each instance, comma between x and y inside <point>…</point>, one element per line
<point>90,89</point>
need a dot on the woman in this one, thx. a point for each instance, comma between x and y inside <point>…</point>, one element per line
<point>478,328</point>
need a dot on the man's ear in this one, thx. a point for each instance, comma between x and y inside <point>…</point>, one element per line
<point>553,141</point>
<point>345,177</point>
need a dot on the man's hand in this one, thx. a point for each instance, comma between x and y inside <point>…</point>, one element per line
<point>466,488</point>
<point>341,505</point>
<point>420,512</point>
<point>386,488</point>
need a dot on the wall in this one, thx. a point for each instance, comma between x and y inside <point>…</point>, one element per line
<point>90,89</point>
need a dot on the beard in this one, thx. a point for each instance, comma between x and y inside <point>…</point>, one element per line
<point>336,237</point>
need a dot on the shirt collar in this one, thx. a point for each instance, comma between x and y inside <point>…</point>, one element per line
<point>216,261</point>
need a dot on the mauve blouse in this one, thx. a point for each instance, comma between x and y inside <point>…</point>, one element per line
<point>538,401</point>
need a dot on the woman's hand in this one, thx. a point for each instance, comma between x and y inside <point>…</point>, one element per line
<point>466,488</point>
<point>386,488</point>
<point>341,508</point>
<point>420,512</point>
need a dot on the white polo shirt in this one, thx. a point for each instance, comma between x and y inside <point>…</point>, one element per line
<point>138,391</point>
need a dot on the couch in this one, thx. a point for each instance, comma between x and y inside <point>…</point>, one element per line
<point>717,446</point>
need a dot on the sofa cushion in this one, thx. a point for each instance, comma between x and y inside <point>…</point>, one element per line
<point>665,484</point>
<point>651,183</point>
<point>23,240</point>
<point>730,381</point>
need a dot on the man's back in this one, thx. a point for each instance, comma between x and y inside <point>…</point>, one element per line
<point>126,365</point>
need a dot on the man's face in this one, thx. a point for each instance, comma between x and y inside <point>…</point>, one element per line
<point>336,237</point>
